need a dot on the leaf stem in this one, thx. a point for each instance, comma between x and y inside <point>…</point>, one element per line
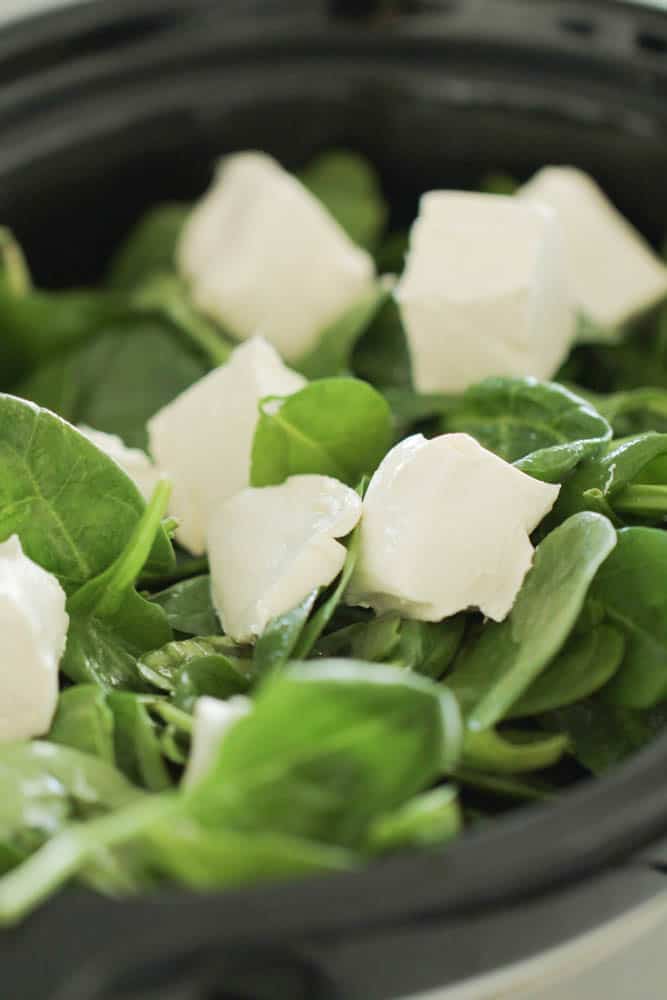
<point>642,501</point>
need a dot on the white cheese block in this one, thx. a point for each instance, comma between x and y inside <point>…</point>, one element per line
<point>134,462</point>
<point>202,440</point>
<point>445,527</point>
<point>270,547</point>
<point>212,720</point>
<point>613,273</point>
<point>484,291</point>
<point>33,633</point>
<point>263,256</point>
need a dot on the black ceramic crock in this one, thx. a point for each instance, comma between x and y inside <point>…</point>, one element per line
<point>108,107</point>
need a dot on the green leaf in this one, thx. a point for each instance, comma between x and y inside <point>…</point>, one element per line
<point>349,187</point>
<point>167,295</point>
<point>57,490</point>
<point>136,744</point>
<point>188,606</point>
<point>499,182</point>
<point>15,276</point>
<point>84,722</point>
<point>110,624</point>
<point>604,735</point>
<point>635,411</point>
<point>331,355</point>
<point>540,426</point>
<point>428,820</point>
<point>337,427</point>
<point>162,667</point>
<point>327,749</point>
<point>499,665</point>
<point>511,752</point>
<point>631,589</point>
<point>410,408</point>
<point>150,247</point>
<point>374,641</point>
<point>604,478</point>
<point>280,637</point>
<point>118,379</point>
<point>214,676</point>
<point>390,255</point>
<point>45,785</point>
<point>382,356</point>
<point>583,666</point>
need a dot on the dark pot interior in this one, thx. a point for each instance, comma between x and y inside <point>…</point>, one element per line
<point>106,111</point>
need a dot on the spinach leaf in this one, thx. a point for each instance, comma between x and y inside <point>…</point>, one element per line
<point>382,355</point>
<point>45,785</point>
<point>84,722</point>
<point>137,747</point>
<point>331,355</point>
<point>327,749</point>
<point>428,820</point>
<point>635,411</point>
<point>499,182</point>
<point>349,187</point>
<point>583,666</point>
<point>540,426</point>
<point>150,247</point>
<point>57,489</point>
<point>167,295</point>
<point>511,752</point>
<point>214,676</point>
<point>500,664</point>
<point>606,482</point>
<point>337,427</point>
<point>188,606</point>
<point>118,379</point>
<point>390,255</point>
<point>162,667</point>
<point>280,637</point>
<point>604,735</point>
<point>110,623</point>
<point>631,589</point>
<point>411,409</point>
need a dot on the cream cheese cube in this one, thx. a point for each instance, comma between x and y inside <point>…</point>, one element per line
<point>134,462</point>
<point>484,291</point>
<point>263,256</point>
<point>270,547</point>
<point>613,273</point>
<point>202,440</point>
<point>33,633</point>
<point>212,720</point>
<point>445,528</point>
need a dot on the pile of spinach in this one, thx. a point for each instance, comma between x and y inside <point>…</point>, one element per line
<point>367,735</point>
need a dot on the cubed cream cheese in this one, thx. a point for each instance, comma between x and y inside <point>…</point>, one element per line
<point>613,273</point>
<point>212,720</point>
<point>202,440</point>
<point>271,547</point>
<point>484,291</point>
<point>445,527</point>
<point>264,257</point>
<point>33,633</point>
<point>134,462</point>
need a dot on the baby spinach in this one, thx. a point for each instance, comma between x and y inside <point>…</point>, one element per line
<point>85,722</point>
<point>150,247</point>
<point>57,489</point>
<point>188,606</point>
<point>368,738</point>
<point>583,666</point>
<point>280,637</point>
<point>110,623</point>
<point>390,255</point>
<point>331,354</point>
<point>515,752</point>
<point>15,278</point>
<point>428,820</point>
<point>162,668</point>
<point>499,665</point>
<point>119,378</point>
<point>381,356</point>
<point>349,187</point>
<point>631,590</point>
<point>338,427</point>
<point>137,749</point>
<point>540,426</point>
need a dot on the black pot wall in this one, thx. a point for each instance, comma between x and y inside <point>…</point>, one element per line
<point>107,109</point>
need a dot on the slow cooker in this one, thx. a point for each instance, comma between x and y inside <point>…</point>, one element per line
<point>106,108</point>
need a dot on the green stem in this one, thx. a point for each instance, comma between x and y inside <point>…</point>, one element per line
<point>642,501</point>
<point>59,859</point>
<point>14,272</point>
